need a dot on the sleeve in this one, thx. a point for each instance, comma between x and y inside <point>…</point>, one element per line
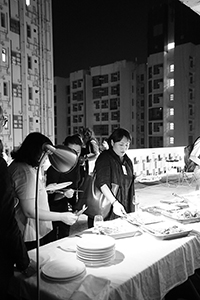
<point>10,234</point>
<point>195,154</point>
<point>103,170</point>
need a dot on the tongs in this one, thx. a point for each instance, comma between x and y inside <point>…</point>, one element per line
<point>181,197</point>
<point>80,212</point>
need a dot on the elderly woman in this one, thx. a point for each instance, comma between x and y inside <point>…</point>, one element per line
<point>23,170</point>
<point>114,166</point>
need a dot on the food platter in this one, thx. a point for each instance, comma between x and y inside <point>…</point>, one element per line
<point>57,186</point>
<point>149,179</point>
<point>185,216</point>
<point>167,230</point>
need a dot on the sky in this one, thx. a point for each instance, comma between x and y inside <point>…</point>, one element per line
<point>89,33</point>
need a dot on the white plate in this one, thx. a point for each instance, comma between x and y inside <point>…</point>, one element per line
<point>95,242</point>
<point>57,186</point>
<point>62,270</point>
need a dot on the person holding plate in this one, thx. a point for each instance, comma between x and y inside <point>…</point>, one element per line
<point>64,199</point>
<point>23,171</point>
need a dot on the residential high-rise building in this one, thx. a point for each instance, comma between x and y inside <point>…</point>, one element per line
<point>173,74</point>
<point>26,69</point>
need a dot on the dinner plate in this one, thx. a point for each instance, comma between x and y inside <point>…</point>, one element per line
<point>95,242</point>
<point>63,270</point>
<point>57,186</point>
<point>181,218</point>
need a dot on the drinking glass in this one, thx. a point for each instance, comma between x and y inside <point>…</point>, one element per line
<point>98,221</point>
<point>136,202</point>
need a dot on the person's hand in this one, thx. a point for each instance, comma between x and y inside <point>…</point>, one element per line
<point>118,209</point>
<point>69,193</point>
<point>69,218</point>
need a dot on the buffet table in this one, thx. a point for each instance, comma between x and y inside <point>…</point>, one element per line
<point>144,268</point>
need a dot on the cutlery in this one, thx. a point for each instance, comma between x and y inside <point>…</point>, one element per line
<point>181,197</point>
<point>66,249</point>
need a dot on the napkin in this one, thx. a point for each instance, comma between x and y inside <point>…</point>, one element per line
<point>92,288</point>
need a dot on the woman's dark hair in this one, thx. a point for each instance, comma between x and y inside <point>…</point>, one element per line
<point>31,149</point>
<point>73,139</point>
<point>118,135</point>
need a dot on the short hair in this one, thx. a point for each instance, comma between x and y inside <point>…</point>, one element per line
<point>73,139</point>
<point>118,134</point>
<point>31,149</point>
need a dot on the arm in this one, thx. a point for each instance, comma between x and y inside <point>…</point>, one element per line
<point>118,209</point>
<point>94,154</point>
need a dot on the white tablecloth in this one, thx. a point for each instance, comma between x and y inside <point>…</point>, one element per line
<point>145,268</point>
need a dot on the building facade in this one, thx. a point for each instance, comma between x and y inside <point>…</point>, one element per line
<point>173,75</point>
<point>26,69</point>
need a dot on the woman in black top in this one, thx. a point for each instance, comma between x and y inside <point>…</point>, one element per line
<point>114,166</point>
<point>12,249</point>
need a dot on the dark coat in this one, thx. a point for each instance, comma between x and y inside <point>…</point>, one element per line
<point>110,169</point>
<point>12,249</point>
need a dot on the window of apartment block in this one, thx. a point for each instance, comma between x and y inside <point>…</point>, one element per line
<point>17,90</point>
<point>171,82</point>
<point>150,72</point>
<point>155,113</point>
<point>30,93</point>
<point>150,100</point>
<point>115,90</point>
<point>142,90</point>
<point>142,77</point>
<point>104,91</point>
<point>97,117</point>
<point>80,118</point>
<point>114,76</point>
<point>3,55</point>
<point>171,126</point>
<point>96,81</point>
<point>191,110</point>
<point>114,103</point>
<point>191,62</point>
<point>191,76</point>
<point>29,62</point>
<point>74,107</point>
<point>115,116</point>
<point>96,104</point>
<point>157,98</point>
<point>171,68</point>
<point>171,97</point>
<point>191,94</point>
<point>16,58</point>
<point>80,106</point>
<point>104,104</point>
<point>157,127</point>
<point>104,117</point>
<point>5,89</point>
<point>3,20</point>
<point>157,84</point>
<point>171,111</point>
<point>170,46</point>
<point>191,125</point>
<point>150,86</point>
<point>15,26</point>
<point>171,140</point>
<point>103,78</point>
<point>28,31</point>
<point>157,69</point>
<point>75,119</point>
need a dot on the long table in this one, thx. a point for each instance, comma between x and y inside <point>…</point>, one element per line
<point>145,268</point>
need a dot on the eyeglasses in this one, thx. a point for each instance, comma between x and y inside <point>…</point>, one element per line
<point>4,120</point>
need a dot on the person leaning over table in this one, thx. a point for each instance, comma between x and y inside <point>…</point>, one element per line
<point>12,249</point>
<point>23,170</point>
<point>114,166</point>
<point>57,201</point>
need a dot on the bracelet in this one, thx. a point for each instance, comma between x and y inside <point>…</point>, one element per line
<point>114,201</point>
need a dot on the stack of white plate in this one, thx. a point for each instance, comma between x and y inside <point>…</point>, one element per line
<point>60,270</point>
<point>95,250</point>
